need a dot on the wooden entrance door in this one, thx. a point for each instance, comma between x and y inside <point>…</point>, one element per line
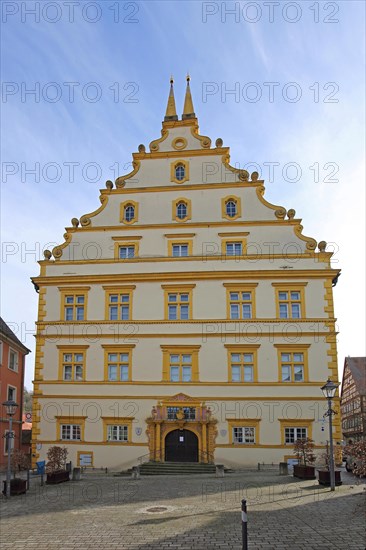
<point>181,446</point>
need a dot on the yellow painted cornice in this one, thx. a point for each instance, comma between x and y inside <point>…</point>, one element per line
<point>205,398</point>
<point>183,276</point>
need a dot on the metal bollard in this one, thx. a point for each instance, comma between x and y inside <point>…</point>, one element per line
<point>244,524</point>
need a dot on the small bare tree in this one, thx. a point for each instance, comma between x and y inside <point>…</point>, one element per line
<point>304,451</point>
<point>19,461</point>
<point>358,453</point>
<point>56,459</point>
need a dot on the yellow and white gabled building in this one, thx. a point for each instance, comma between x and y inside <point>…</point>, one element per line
<point>185,319</point>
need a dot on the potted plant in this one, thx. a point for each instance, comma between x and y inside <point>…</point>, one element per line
<point>56,465</point>
<point>304,452</point>
<point>324,473</point>
<point>19,462</point>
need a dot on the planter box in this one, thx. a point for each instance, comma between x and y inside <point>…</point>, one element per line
<point>58,477</point>
<point>17,486</point>
<point>304,472</point>
<point>324,477</point>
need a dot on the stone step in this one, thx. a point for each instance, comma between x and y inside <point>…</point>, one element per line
<point>176,468</point>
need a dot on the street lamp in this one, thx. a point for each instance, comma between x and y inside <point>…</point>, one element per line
<point>329,390</point>
<point>10,407</point>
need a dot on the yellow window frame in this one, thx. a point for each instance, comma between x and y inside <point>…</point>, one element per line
<point>247,287</point>
<point>178,289</point>
<point>173,167</point>
<point>117,421</point>
<point>122,212</point>
<point>237,201</point>
<point>73,291</point>
<point>242,348</point>
<point>85,453</point>
<point>181,241</point>
<point>180,350</point>
<point>63,349</point>
<point>111,290</point>
<point>113,348</point>
<point>291,349</point>
<point>72,420</point>
<point>232,240</point>
<point>295,423</point>
<point>174,210</point>
<point>290,287</point>
<point>244,423</point>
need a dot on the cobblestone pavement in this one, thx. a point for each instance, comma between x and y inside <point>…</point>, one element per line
<point>201,512</point>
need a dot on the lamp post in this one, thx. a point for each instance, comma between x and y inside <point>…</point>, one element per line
<point>329,390</point>
<point>10,407</point>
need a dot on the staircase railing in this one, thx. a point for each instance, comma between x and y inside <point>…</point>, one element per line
<point>153,456</point>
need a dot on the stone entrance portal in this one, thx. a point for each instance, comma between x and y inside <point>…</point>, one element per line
<point>181,429</point>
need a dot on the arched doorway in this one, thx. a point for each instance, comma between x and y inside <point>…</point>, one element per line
<point>181,446</point>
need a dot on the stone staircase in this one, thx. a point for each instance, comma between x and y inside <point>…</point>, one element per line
<point>175,468</point>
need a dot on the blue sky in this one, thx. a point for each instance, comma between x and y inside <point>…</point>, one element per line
<point>296,109</point>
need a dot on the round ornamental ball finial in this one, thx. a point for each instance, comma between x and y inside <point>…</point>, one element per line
<point>171,79</point>
<point>47,254</point>
<point>254,176</point>
<point>109,184</point>
<point>322,246</point>
<point>219,142</point>
<point>74,222</point>
<point>291,213</point>
<point>142,148</point>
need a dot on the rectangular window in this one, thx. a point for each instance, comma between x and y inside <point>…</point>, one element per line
<point>289,304</point>
<point>73,304</point>
<point>292,367</point>
<point>293,434</point>
<point>178,305</point>
<point>118,366</point>
<point>242,366</point>
<point>244,435</point>
<point>12,393</point>
<point>119,306</point>
<point>71,432</point>
<point>73,366</point>
<point>13,360</point>
<point>126,252</point>
<point>180,366</point>
<point>117,433</point>
<point>178,302</point>
<point>240,305</point>
<point>180,250</point>
<point>234,249</point>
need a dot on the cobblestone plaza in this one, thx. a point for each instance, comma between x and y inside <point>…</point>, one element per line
<point>186,512</point>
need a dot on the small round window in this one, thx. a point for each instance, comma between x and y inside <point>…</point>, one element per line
<point>129,212</point>
<point>181,210</point>
<point>180,172</point>
<point>231,208</point>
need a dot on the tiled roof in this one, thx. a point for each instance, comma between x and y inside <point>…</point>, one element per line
<point>6,332</point>
<point>357,366</point>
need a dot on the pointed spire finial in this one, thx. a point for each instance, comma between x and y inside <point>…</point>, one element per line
<point>171,112</point>
<point>188,110</point>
